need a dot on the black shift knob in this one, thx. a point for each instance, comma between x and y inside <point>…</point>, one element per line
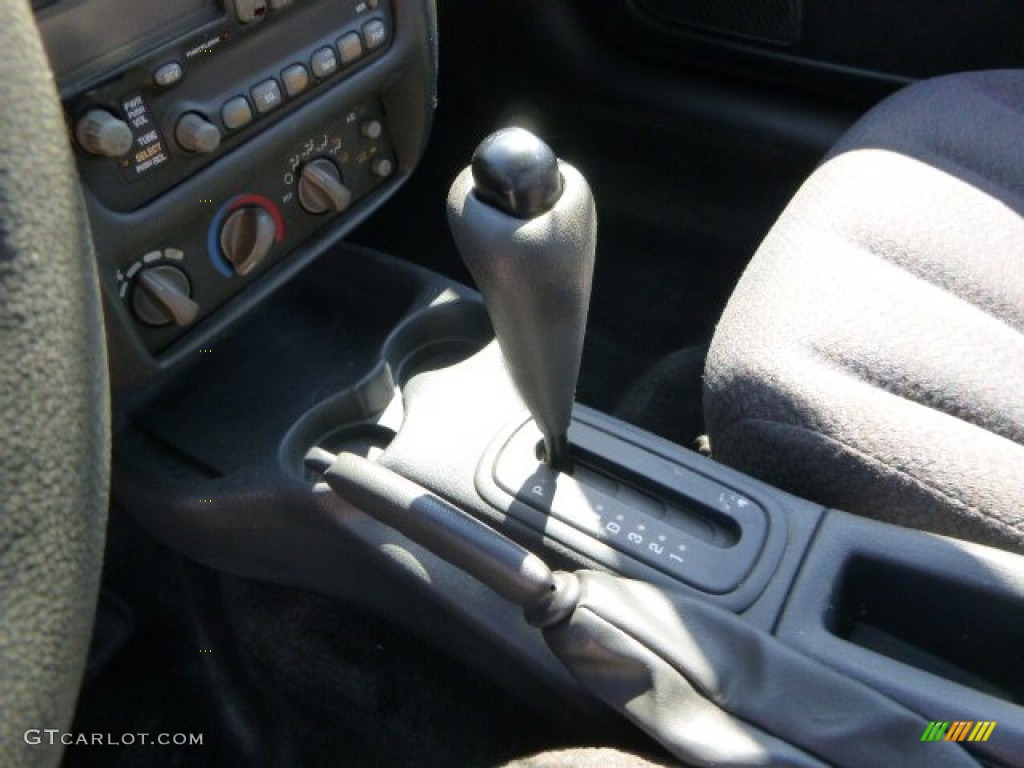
<point>525,225</point>
<point>516,172</point>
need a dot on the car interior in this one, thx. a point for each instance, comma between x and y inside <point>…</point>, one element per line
<point>530,383</point>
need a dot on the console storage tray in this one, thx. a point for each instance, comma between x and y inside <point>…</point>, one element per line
<point>935,623</point>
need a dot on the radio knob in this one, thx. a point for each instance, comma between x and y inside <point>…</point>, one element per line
<point>197,134</point>
<point>100,133</point>
<point>247,236</point>
<point>162,296</point>
<point>320,187</point>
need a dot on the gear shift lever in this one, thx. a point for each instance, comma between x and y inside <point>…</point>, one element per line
<point>526,227</point>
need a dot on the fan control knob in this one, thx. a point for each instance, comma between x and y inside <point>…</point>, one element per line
<point>163,295</point>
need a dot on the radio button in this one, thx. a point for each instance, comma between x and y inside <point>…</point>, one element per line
<point>375,33</point>
<point>371,129</point>
<point>382,167</point>
<point>350,47</point>
<point>235,113</point>
<point>250,10</point>
<point>168,74</point>
<point>266,96</point>
<point>324,62</point>
<point>295,79</point>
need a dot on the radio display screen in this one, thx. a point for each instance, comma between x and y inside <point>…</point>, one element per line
<point>86,37</point>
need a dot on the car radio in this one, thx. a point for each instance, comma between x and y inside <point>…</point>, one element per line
<point>213,140</point>
<point>143,116</point>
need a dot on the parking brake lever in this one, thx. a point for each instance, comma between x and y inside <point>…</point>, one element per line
<point>513,572</point>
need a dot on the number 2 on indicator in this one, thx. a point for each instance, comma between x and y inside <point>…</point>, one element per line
<point>656,548</point>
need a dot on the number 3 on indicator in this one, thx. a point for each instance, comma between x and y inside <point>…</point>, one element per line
<point>636,538</point>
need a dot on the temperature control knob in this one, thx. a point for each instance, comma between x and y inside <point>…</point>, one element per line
<point>247,236</point>
<point>163,296</point>
<point>100,133</point>
<point>197,134</point>
<point>320,187</point>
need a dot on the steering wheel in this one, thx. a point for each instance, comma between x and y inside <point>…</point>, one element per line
<point>54,406</point>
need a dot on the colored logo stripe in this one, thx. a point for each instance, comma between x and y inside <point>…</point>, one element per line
<point>958,730</point>
<point>982,731</point>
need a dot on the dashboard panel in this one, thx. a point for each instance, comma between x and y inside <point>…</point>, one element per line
<point>222,145</point>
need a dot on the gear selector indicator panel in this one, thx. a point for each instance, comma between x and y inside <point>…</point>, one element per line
<point>650,509</point>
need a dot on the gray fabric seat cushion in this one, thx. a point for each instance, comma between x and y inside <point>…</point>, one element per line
<point>872,356</point>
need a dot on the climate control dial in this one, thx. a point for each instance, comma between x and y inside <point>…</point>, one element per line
<point>321,188</point>
<point>163,295</point>
<point>247,236</point>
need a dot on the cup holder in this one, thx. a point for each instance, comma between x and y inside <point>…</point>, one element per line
<point>437,337</point>
<point>366,440</point>
<point>429,339</point>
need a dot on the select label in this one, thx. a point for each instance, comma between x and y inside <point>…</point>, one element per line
<point>148,150</point>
